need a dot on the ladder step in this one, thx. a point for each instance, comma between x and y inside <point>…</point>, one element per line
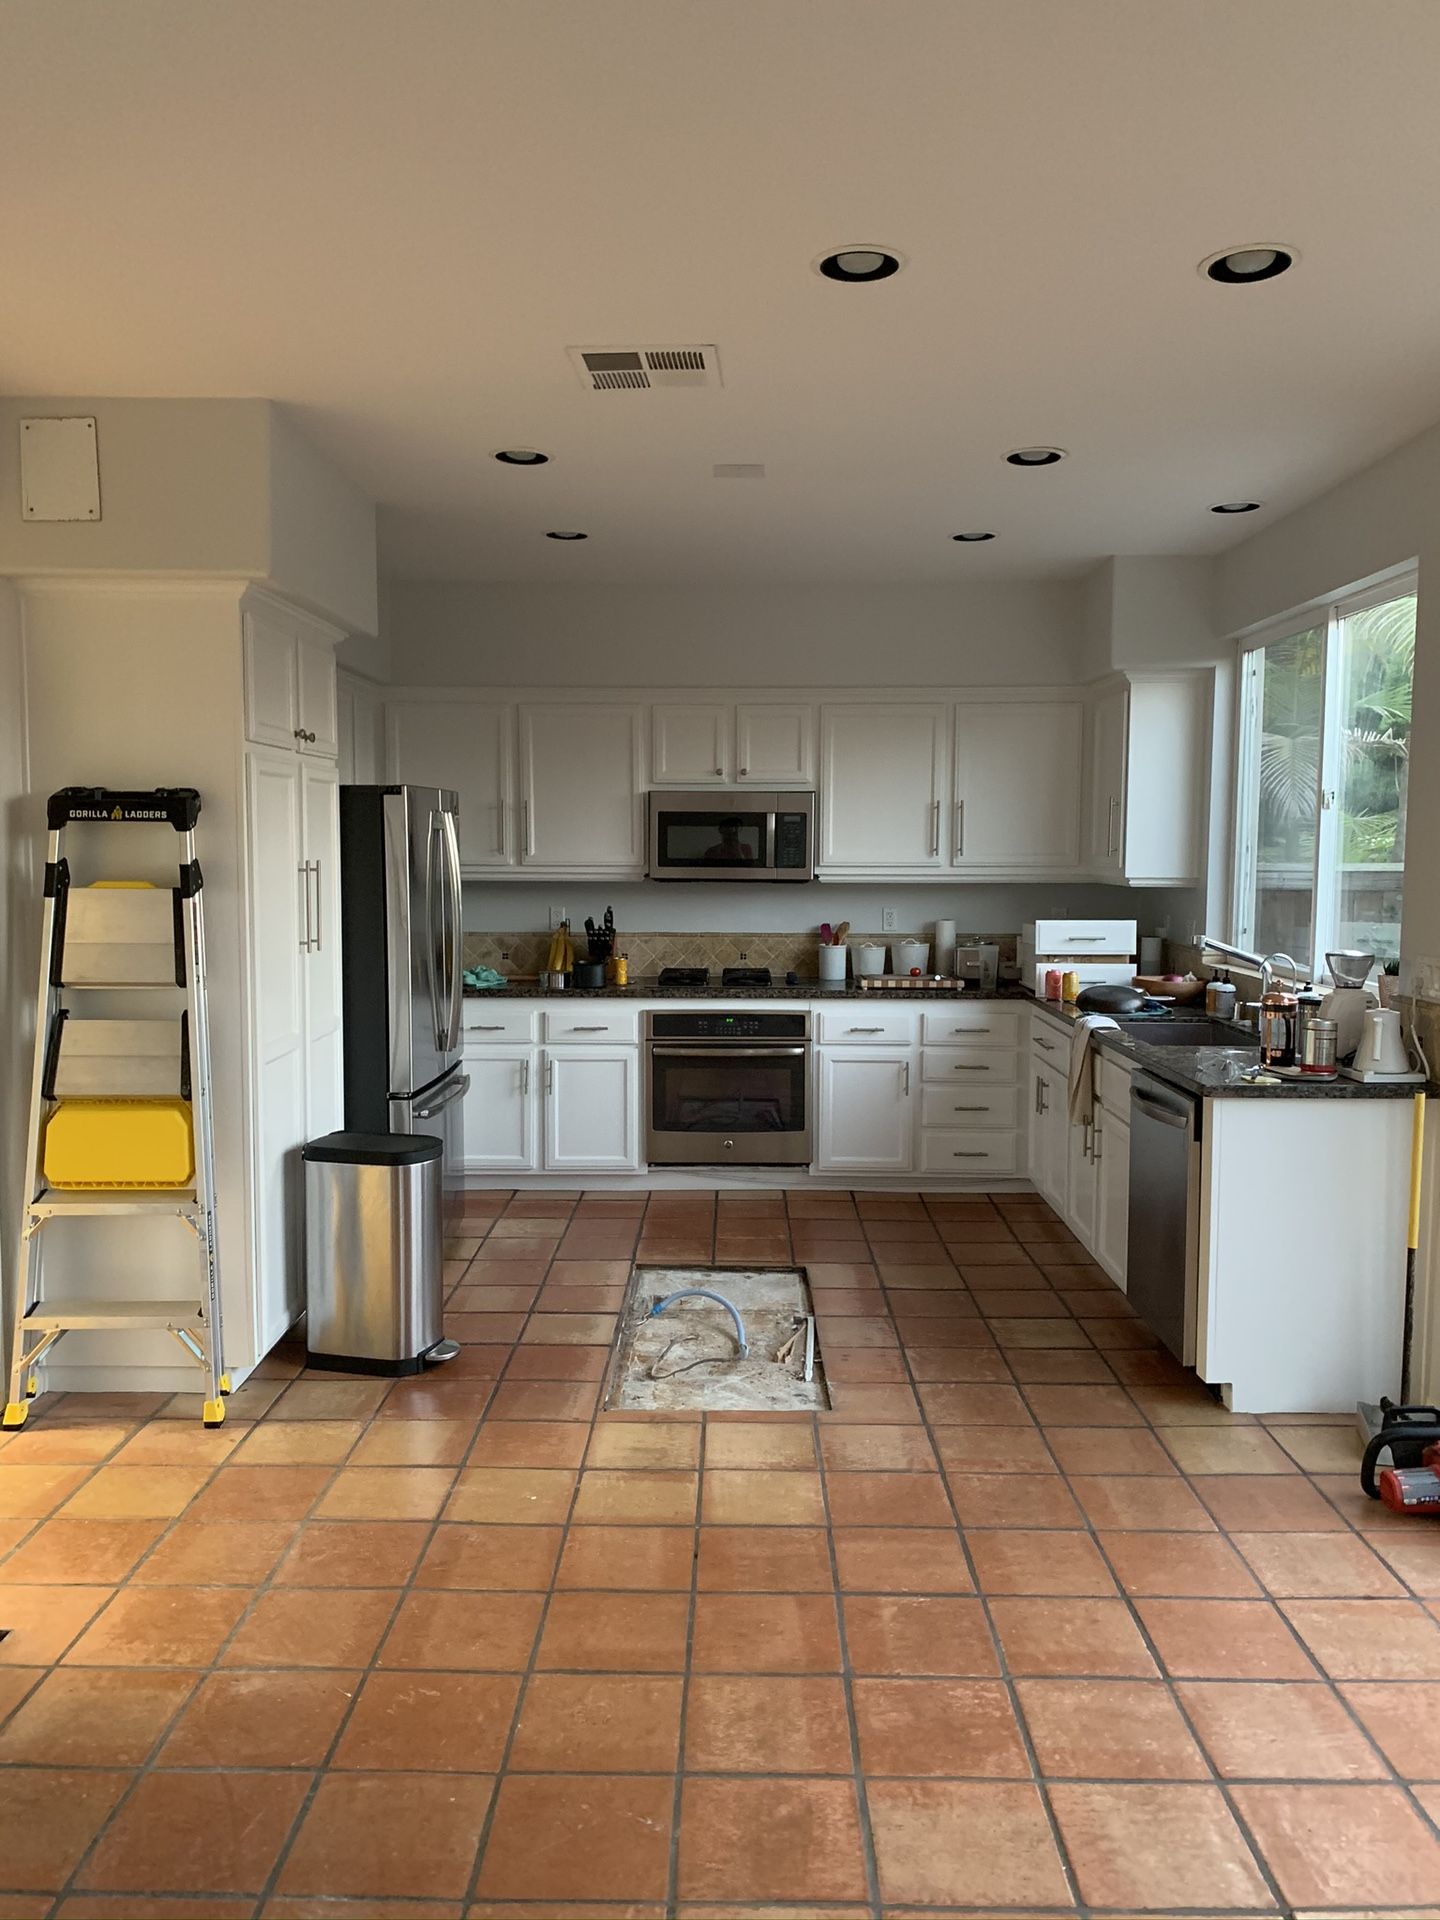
<point>73,1315</point>
<point>55,1203</point>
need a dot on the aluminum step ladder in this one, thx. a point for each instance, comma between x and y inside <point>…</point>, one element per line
<point>119,939</point>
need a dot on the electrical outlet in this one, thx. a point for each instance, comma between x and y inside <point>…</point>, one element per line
<point>557,915</point>
<point>889,920</point>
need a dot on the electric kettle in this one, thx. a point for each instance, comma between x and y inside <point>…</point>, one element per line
<point>1382,1044</point>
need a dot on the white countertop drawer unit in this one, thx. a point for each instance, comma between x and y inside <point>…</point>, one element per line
<point>862,1026</point>
<point>593,1023</point>
<point>984,1024</point>
<point>1063,937</point>
<point>942,1151</point>
<point>978,1107</point>
<point>507,1020</point>
<point>970,1066</point>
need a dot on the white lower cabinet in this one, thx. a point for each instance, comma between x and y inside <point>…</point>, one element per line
<point>1112,1193</point>
<point>1049,1125</point>
<point>501,1108</point>
<point>1080,1181</point>
<point>867,1114</point>
<point>592,1109</point>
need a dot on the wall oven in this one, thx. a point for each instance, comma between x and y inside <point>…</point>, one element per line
<point>727,1089</point>
<point>738,835</point>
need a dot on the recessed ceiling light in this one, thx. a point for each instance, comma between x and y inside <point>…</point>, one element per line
<point>1237,506</point>
<point>561,535</point>
<point>1035,456</point>
<point>1244,266</point>
<point>972,536</point>
<point>858,264</point>
<point>522,457</point>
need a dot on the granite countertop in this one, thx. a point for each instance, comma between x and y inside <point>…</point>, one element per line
<point>650,989</point>
<point>1211,1071</point>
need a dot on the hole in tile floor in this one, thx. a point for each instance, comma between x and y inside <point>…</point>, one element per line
<point>688,1357</point>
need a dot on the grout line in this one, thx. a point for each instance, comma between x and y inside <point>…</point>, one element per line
<point>672,1870</point>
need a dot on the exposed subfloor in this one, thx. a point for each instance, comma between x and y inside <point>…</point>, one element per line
<point>1024,1624</point>
<point>688,1358</point>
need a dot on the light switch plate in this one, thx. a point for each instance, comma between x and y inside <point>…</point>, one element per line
<point>59,469</point>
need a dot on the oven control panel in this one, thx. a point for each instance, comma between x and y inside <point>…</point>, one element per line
<point>729,1026</point>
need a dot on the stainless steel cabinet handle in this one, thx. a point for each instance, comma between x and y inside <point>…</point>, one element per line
<point>714,1055</point>
<point>602,1028</point>
<point>1085,1127</point>
<point>500,811</point>
<point>1048,1046</point>
<point>1037,1093</point>
<point>549,1075</point>
<point>965,1066</point>
<point>304,872</point>
<point>1042,1105</point>
<point>965,1032</point>
<point>907,1079</point>
<point>1114,808</point>
<point>525,1075</point>
<point>959,828</point>
<point>980,1109</point>
<point>970,1153</point>
<point>935,830</point>
<point>319,924</point>
<point>525,829</point>
<point>864,1029</point>
<point>1096,1131</point>
<point>1084,939</point>
<point>478,1029</point>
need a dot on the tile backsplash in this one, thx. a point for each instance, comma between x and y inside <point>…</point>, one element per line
<point>524,953</point>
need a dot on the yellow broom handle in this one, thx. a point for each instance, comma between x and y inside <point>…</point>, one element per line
<point>1417,1151</point>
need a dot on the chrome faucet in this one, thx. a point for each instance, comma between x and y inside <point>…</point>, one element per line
<point>1267,971</point>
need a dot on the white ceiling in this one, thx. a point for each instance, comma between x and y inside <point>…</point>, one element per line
<point>397,214</point>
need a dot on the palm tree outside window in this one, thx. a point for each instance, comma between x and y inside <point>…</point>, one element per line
<point>1323,769</point>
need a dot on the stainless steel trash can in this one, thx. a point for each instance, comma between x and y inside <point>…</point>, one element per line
<point>373,1252</point>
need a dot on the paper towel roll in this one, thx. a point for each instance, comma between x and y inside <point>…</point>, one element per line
<point>944,946</point>
<point>1152,950</point>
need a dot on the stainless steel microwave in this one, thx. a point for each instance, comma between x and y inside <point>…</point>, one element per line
<point>734,835</point>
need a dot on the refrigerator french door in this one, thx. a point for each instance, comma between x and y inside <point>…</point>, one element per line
<point>402,966</point>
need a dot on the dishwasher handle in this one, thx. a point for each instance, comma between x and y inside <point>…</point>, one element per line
<point>1160,1110</point>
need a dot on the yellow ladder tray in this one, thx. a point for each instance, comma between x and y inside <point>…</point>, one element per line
<point>119,1143</point>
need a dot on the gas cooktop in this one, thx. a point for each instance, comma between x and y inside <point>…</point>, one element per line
<point>745,977</point>
<point>684,976</point>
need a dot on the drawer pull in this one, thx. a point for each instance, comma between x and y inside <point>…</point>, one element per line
<point>980,1109</point>
<point>865,1029</point>
<point>964,1030</point>
<point>477,1028</point>
<point>970,1153</point>
<point>1047,1046</point>
<point>602,1028</point>
<point>966,1066</point>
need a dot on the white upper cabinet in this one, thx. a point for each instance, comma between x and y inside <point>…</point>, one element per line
<point>690,745</point>
<point>290,697</point>
<point>316,715</point>
<point>775,744</point>
<point>883,789</point>
<point>581,787</point>
<point>1105,812</point>
<point>1147,778</point>
<point>469,748</point>
<point>361,709</point>
<point>1018,787</point>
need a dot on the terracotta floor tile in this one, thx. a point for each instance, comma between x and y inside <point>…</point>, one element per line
<point>428,1398</point>
<point>1143,1502</point>
<point>159,1627</point>
<point>637,1497</point>
<point>1109,1451</point>
<point>463,1632</point>
<point>765,1633</point>
<point>579,1836</point>
<point>1224,1640</point>
<point>965,1450</point>
<point>353,1553</point>
<point>43,1620</point>
<point>298,1443</point>
<point>1109,1730</point>
<point>981,1365</point>
<point>135,1493</point>
<point>544,1399</point>
<point>772,1840</point>
<point>759,1444</point>
<point>385,1493</point>
<point>776,1498</point>
<point>1223,1450</point>
<point>1156,1846</point>
<point>555,1364</point>
<point>389,1834</point>
<point>996,1500</point>
<point>901,1560</point>
<point>907,1634</point>
<point>275,1719</point>
<point>80,1552</point>
<point>569,1330</point>
<point>1321,1449</point>
<point>1316,1565</point>
<point>430,1722</point>
<point>862,1449</point>
<point>1343,1845</point>
<point>50,1445</point>
<point>94,1719</point>
<point>619,1632</point>
<point>304,1627</point>
<point>238,1553</point>
<point>159,1906</point>
<point>1040,1333</point>
<point>791,1724</point>
<point>1095,1638</point>
<point>511,1495</point>
<point>1404,1719</point>
<point>867,1404</point>
<point>755,1559</point>
<point>952,1844</point>
<point>1061,1367</point>
<point>599,1723</point>
<point>1009,1560</point>
<point>1297,1731</point>
<point>260,1493</point>
<point>953,1728</point>
<point>1192,1565</point>
<point>1267,1504</point>
<point>1369,1639</point>
<point>954,1404</point>
<point>48,1817</point>
<point>639,1558</point>
<point>1415,1559</point>
<point>527,1443</point>
<point>28,1493</point>
<point>328,1399</point>
<point>888,1500</point>
<point>197,1832</point>
<point>494,1558</point>
<point>632,1444</point>
<point>414,1443</point>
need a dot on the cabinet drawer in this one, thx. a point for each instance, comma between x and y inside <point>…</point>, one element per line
<point>867,1027</point>
<point>983,1023</point>
<point>967,1107</point>
<point>970,1066</point>
<point>595,1023</point>
<point>962,1153</point>
<point>482,1022</point>
<point>1049,1041</point>
<point>1061,937</point>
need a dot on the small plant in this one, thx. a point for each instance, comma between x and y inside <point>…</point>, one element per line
<point>1392,967</point>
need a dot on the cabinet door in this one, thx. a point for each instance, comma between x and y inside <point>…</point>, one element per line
<point>1105,781</point>
<point>320,858</point>
<point>580,788</point>
<point>272,715</point>
<point>317,714</point>
<point>867,1115</point>
<point>275,1045</point>
<point>689,746</point>
<point>1112,1223</point>
<point>465,746</point>
<point>883,775</point>
<point>500,1110</point>
<point>1048,1128</point>
<point>592,1109</point>
<point>1080,1182</point>
<point>1018,787</point>
<point>775,744</point>
<point>368,750</point>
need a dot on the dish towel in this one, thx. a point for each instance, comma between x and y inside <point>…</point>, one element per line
<point>478,978</point>
<point>1082,1081</point>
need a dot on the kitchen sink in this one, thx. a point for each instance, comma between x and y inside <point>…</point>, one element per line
<point>1192,1033</point>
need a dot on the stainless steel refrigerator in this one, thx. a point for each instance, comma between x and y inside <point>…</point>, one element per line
<point>403,966</point>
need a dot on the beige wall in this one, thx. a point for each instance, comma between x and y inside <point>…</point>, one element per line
<point>322,532</point>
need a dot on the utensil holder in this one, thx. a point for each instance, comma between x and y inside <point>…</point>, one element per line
<point>832,963</point>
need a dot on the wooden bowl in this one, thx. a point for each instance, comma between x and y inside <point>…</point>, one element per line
<point>1180,991</point>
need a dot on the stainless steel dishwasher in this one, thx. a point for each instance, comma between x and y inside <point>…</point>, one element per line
<point>1163,1258</point>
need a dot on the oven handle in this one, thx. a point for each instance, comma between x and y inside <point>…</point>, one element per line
<point>730,1053</point>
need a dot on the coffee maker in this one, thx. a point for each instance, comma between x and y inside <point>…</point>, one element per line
<point>1349,1000</point>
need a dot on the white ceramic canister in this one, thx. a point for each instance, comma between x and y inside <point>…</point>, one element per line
<point>869,959</point>
<point>907,955</point>
<point>832,962</point>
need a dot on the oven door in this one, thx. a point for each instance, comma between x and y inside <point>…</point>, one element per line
<point>728,1105</point>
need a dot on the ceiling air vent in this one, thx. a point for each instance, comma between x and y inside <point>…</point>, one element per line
<point>633,369</point>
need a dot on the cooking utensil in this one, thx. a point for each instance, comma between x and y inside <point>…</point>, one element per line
<point>838,939</point>
<point>1113,998</point>
<point>825,933</point>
